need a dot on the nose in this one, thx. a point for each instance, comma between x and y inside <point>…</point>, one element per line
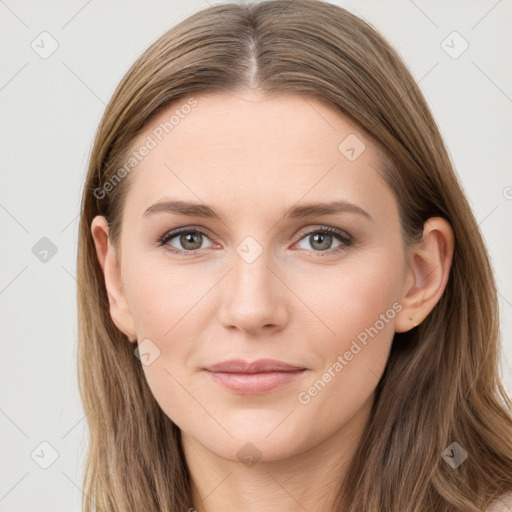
<point>254,298</point>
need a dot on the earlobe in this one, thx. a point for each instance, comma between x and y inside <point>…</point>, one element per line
<point>429,268</point>
<point>110,265</point>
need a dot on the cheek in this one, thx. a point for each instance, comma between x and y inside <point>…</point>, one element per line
<point>354,296</point>
<point>162,297</point>
<point>168,306</point>
<point>358,308</point>
<point>357,305</point>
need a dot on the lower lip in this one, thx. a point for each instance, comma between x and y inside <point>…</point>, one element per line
<point>254,383</point>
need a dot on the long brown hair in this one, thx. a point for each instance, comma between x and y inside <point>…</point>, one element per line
<point>441,383</point>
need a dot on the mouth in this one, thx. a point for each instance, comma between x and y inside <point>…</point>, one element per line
<point>254,377</point>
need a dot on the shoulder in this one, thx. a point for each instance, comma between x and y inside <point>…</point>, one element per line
<point>503,504</point>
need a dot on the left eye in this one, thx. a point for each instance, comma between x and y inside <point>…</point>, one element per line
<point>321,240</point>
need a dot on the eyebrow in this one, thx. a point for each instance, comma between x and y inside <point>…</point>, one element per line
<point>294,212</point>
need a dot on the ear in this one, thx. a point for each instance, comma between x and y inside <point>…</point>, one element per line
<point>429,268</point>
<point>110,265</point>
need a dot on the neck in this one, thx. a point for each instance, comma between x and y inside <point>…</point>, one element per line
<point>307,480</point>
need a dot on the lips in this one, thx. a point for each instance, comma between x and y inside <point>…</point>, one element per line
<point>259,366</point>
<point>254,377</point>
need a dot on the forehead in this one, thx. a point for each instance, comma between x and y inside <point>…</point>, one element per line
<point>254,149</point>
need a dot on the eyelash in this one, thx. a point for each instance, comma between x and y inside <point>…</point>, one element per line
<point>345,239</point>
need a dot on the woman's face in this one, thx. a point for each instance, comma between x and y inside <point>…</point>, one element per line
<point>254,275</point>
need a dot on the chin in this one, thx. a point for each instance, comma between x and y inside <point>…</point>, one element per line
<point>265,440</point>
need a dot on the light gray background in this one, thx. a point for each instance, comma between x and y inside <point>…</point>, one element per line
<point>50,111</point>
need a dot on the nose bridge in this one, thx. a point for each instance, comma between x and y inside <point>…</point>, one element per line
<point>251,272</point>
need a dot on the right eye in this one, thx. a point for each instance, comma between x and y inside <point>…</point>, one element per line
<point>188,240</point>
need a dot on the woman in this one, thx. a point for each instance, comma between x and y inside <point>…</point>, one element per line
<point>286,301</point>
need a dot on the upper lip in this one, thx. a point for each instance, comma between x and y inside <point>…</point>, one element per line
<point>258,366</point>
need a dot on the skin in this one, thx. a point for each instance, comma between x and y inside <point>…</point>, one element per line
<point>251,157</point>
